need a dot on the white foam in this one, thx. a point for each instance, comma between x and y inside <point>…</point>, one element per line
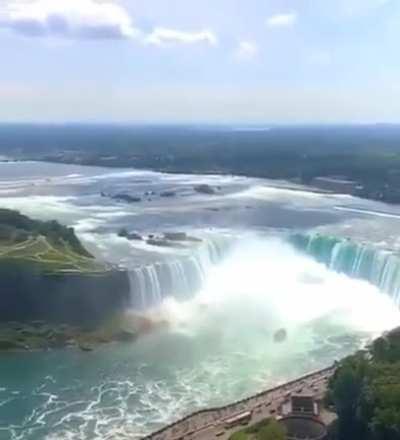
<point>218,347</point>
<point>42,207</point>
<point>264,192</point>
<point>368,212</point>
<point>269,280</point>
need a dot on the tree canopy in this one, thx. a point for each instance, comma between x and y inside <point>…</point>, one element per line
<point>15,226</point>
<point>366,392</point>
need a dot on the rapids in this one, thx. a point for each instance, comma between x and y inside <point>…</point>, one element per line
<point>272,256</point>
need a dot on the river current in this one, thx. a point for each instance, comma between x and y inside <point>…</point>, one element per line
<point>273,255</point>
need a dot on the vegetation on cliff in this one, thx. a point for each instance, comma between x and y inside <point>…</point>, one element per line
<point>268,429</point>
<point>42,335</point>
<point>366,392</point>
<point>47,274</point>
<point>52,246</point>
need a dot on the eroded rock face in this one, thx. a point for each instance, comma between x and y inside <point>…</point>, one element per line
<point>134,236</point>
<point>28,293</point>
<point>167,194</point>
<point>167,239</point>
<point>172,239</point>
<point>124,328</point>
<point>9,344</point>
<point>160,242</point>
<point>129,235</point>
<point>204,189</point>
<point>175,236</point>
<point>126,198</point>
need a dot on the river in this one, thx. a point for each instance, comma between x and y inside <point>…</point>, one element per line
<point>223,302</point>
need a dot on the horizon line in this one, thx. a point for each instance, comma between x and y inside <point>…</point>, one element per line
<point>233,124</point>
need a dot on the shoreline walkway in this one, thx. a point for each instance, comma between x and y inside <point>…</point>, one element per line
<point>210,423</point>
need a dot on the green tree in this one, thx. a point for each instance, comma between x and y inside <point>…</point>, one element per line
<point>240,435</point>
<point>272,431</point>
<point>366,392</point>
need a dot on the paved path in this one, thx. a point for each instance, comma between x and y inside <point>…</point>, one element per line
<point>209,424</point>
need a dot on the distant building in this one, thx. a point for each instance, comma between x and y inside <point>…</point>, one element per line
<point>301,404</point>
<point>300,417</point>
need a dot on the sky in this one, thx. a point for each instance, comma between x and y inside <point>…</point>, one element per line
<point>194,61</point>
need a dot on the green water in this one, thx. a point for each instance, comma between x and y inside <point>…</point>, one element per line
<point>379,267</point>
<point>218,348</point>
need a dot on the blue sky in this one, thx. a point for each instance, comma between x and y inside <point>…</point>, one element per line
<point>282,61</point>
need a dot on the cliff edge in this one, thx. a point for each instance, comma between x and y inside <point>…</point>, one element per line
<point>46,273</point>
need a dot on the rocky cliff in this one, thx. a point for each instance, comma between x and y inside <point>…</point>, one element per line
<point>27,293</point>
<point>46,273</point>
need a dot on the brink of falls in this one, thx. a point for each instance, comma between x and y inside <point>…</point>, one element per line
<point>379,267</point>
<point>179,276</point>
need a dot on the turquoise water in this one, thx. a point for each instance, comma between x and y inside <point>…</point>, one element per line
<point>218,344</point>
<point>218,347</point>
<point>123,390</point>
<point>380,267</point>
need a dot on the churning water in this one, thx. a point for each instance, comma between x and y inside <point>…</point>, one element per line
<point>218,347</point>
<point>222,304</point>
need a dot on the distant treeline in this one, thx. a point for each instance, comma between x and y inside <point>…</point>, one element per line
<point>368,154</point>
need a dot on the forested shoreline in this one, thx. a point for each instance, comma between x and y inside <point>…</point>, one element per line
<point>369,155</point>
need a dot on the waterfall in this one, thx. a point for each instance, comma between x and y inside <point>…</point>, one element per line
<point>379,267</point>
<point>180,277</point>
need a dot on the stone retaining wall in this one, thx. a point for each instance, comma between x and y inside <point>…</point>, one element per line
<point>207,417</point>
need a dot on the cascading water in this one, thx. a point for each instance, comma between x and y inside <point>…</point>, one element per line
<point>379,267</point>
<point>215,348</point>
<point>180,277</point>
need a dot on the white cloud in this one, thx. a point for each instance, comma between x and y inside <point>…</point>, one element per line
<point>282,20</point>
<point>75,19</point>
<point>246,50</point>
<point>161,36</point>
<point>89,19</point>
